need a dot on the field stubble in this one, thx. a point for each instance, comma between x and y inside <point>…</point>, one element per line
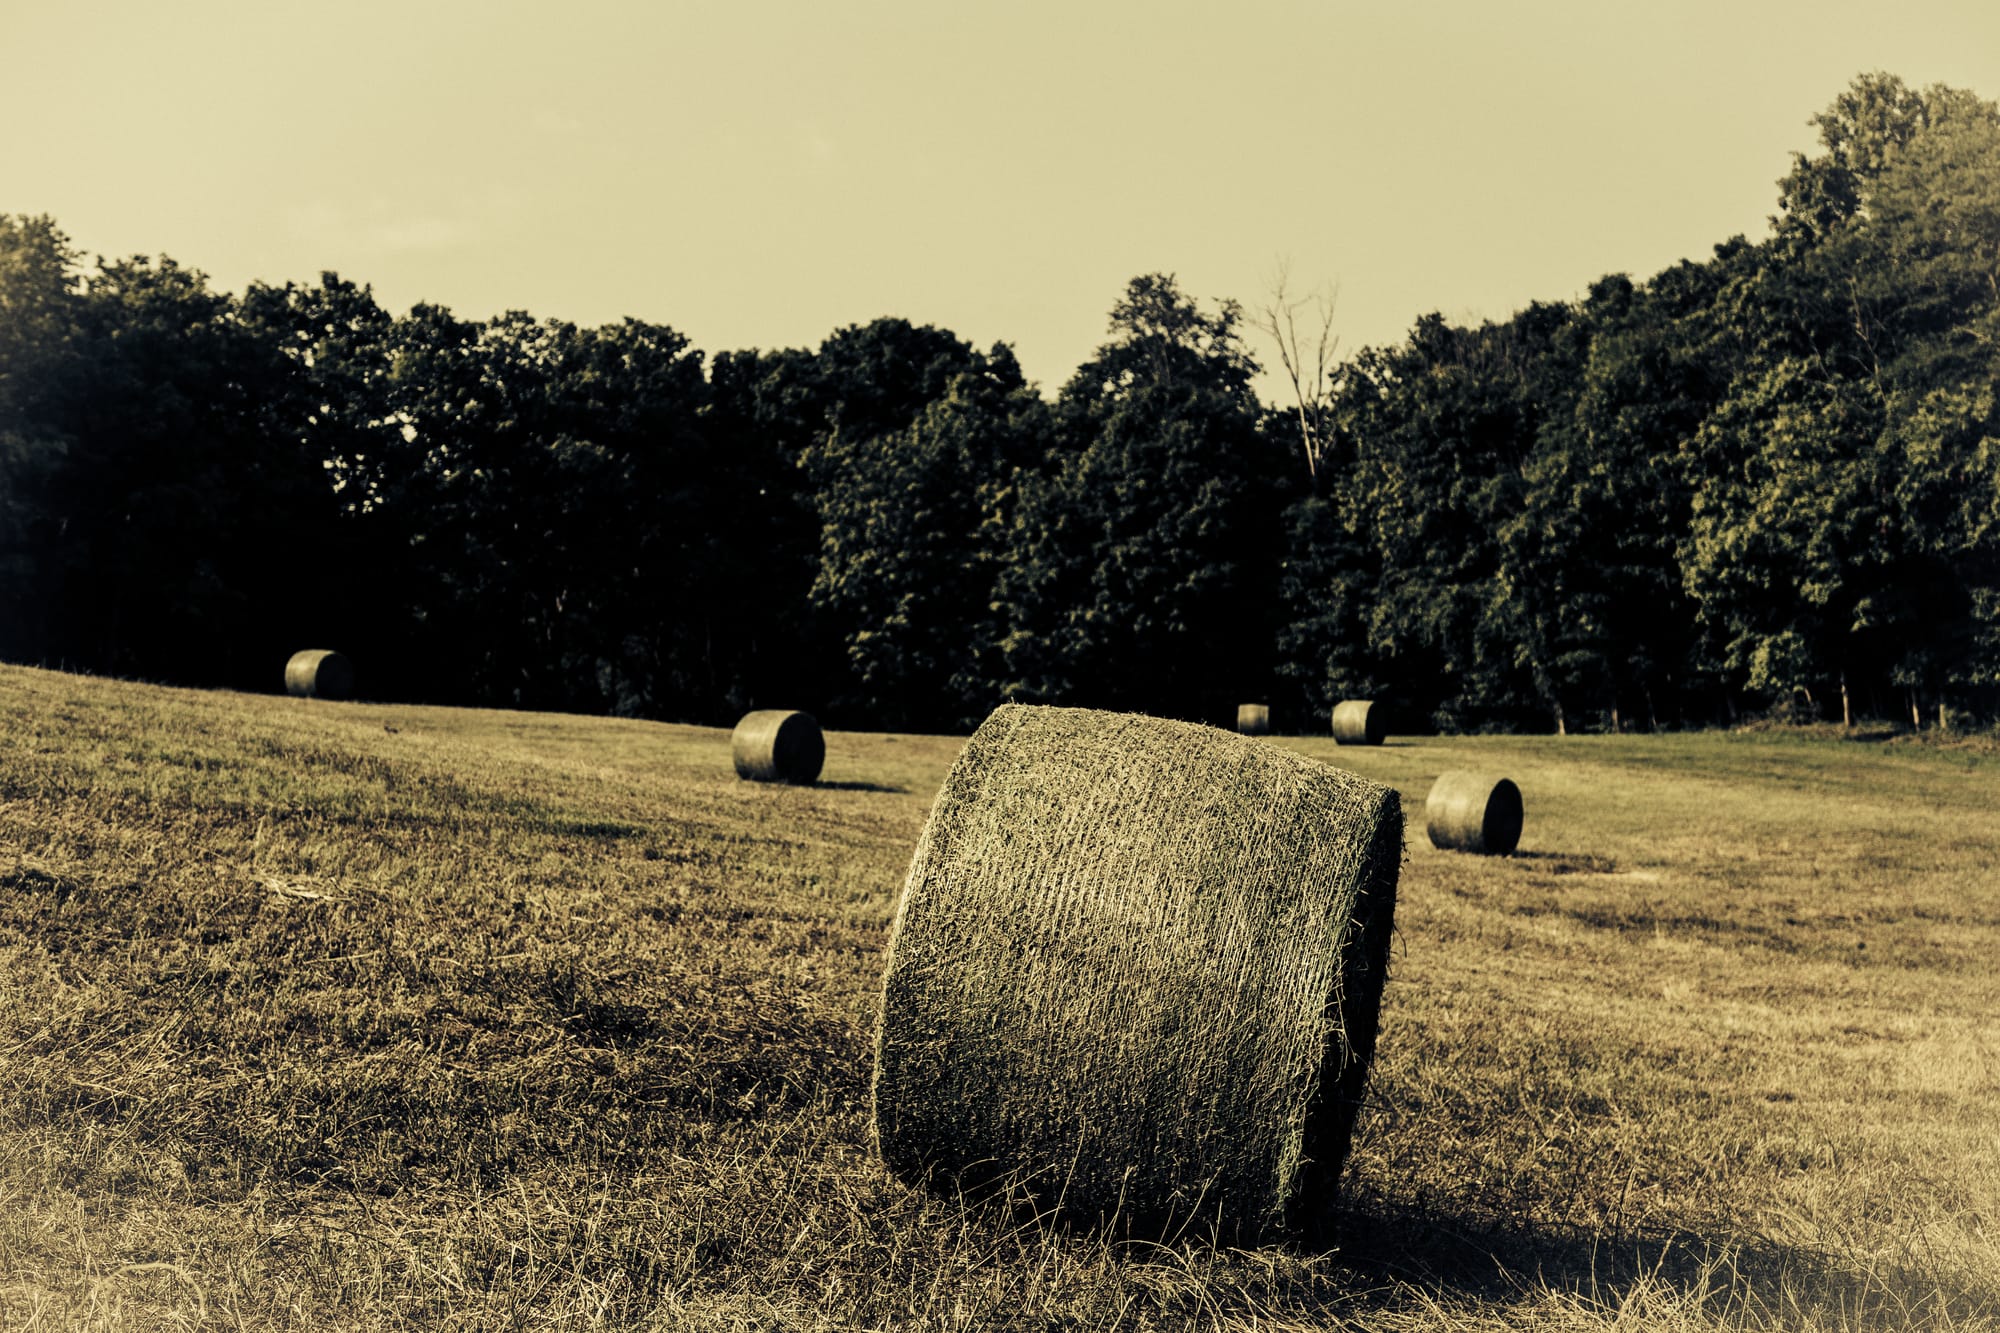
<point>347,1016</point>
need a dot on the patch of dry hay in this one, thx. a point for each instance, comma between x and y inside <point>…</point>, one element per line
<point>1357,722</point>
<point>319,673</point>
<point>1136,971</point>
<point>778,745</point>
<point>1474,812</point>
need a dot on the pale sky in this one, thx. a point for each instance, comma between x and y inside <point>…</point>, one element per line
<point>757,175</point>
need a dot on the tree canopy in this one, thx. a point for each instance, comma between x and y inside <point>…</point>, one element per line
<point>1764,480</point>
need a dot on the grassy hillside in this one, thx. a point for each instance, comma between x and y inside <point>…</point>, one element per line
<point>348,1016</point>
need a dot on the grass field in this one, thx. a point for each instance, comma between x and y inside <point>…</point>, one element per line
<point>349,1016</point>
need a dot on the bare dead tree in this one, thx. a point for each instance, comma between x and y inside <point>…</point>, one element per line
<point>1310,366</point>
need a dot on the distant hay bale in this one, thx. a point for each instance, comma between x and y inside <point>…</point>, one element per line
<point>778,745</point>
<point>1472,812</point>
<point>1253,719</point>
<point>1357,722</point>
<point>319,673</point>
<point>1136,971</point>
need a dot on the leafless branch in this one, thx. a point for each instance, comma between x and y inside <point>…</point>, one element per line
<point>1312,368</point>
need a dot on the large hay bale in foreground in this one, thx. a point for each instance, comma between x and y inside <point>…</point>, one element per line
<point>1253,719</point>
<point>1136,971</point>
<point>1357,722</point>
<point>1473,812</point>
<point>778,745</point>
<point>319,673</point>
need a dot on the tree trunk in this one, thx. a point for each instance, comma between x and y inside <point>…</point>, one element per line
<point>1561,730</point>
<point>1846,705</point>
<point>1616,726</point>
<point>1944,716</point>
<point>1916,718</point>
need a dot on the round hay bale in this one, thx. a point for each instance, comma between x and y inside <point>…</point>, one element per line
<point>1136,971</point>
<point>1473,812</point>
<point>1357,722</point>
<point>778,745</point>
<point>1253,719</point>
<point>319,673</point>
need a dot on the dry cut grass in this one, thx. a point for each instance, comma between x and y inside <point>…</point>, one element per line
<point>331,1016</point>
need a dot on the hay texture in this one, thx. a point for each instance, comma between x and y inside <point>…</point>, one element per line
<point>1474,812</point>
<point>1136,971</point>
<point>1253,719</point>
<point>778,745</point>
<point>319,673</point>
<point>1357,722</point>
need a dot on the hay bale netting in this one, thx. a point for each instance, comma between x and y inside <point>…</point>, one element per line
<point>1136,971</point>
<point>1474,812</point>
<point>778,745</point>
<point>1358,722</point>
<point>1253,719</point>
<point>319,673</point>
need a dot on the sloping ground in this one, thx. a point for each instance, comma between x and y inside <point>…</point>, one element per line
<point>351,1016</point>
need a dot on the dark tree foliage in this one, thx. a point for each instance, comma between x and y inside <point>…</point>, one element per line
<point>177,524</point>
<point>1142,569</point>
<point>1442,429</point>
<point>1830,552</point>
<point>1588,556</point>
<point>797,419</point>
<point>915,525</point>
<point>1768,480</point>
<point>40,361</point>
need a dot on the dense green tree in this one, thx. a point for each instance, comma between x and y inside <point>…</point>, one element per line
<point>1589,556</point>
<point>1771,471</point>
<point>874,378</point>
<point>40,360</point>
<point>1143,567</point>
<point>1773,475</point>
<point>1817,550</point>
<point>914,525</point>
<point>337,345</point>
<point>778,412</point>
<point>1930,246</point>
<point>1326,590</point>
<point>1793,543</point>
<point>535,481</point>
<point>1444,426</point>
<point>185,525</point>
<point>715,517</point>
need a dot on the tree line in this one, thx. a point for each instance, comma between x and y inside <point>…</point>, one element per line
<point>1766,481</point>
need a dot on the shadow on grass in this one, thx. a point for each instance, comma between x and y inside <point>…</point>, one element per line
<point>1384,1261</point>
<point>859,786</point>
<point>1741,1279</point>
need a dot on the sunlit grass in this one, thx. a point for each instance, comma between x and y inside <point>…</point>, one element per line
<point>346,1016</point>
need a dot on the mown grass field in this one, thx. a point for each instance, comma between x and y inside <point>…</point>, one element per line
<point>330,1016</point>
